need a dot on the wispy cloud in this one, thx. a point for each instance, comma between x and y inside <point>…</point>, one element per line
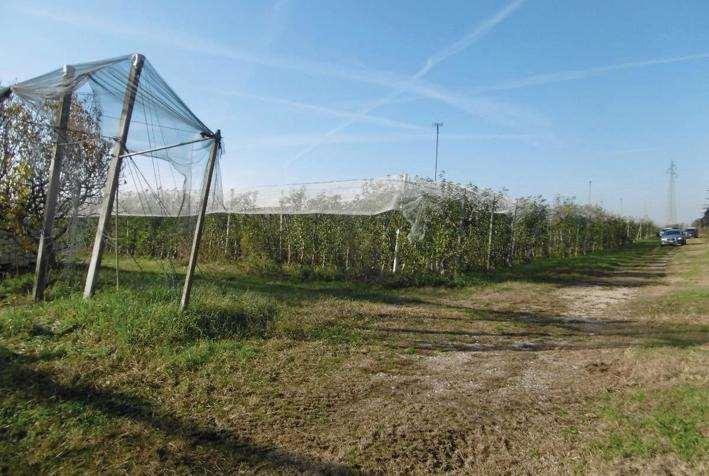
<point>492,110</point>
<point>203,45</point>
<point>501,114</point>
<point>286,141</point>
<point>475,105</point>
<point>384,79</point>
<point>350,115</point>
<point>576,74</point>
<point>472,103</point>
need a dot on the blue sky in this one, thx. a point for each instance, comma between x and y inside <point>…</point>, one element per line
<point>536,96</point>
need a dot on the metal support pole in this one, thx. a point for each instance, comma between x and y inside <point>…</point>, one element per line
<point>511,256</point>
<point>489,235</point>
<point>228,223</point>
<point>114,172</point>
<point>46,245</point>
<point>395,266</point>
<point>207,183</point>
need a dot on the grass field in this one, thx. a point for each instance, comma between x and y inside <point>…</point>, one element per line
<point>591,364</point>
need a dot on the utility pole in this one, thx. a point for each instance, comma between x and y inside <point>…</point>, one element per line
<point>437,125</point>
<point>672,195</point>
<point>621,206</point>
<point>589,193</point>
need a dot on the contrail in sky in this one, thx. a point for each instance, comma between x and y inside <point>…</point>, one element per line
<point>473,36</point>
<point>466,41</point>
<point>287,141</point>
<point>386,79</point>
<point>574,74</point>
<point>355,116</point>
<point>465,101</point>
<point>503,113</point>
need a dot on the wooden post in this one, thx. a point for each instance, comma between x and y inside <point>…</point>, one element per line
<point>46,245</point>
<point>114,172</point>
<point>207,183</point>
<point>549,235</point>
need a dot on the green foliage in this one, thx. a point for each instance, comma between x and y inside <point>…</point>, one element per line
<point>462,234</point>
<point>27,144</point>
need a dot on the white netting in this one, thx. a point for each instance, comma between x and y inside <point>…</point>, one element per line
<point>451,227</point>
<point>171,145</point>
<point>166,148</point>
<point>359,197</point>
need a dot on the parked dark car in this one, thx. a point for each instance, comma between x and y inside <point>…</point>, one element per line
<point>691,232</point>
<point>672,237</point>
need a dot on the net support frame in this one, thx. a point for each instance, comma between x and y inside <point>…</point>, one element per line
<point>113,173</point>
<point>46,245</point>
<point>207,184</point>
<point>158,149</point>
<point>395,264</point>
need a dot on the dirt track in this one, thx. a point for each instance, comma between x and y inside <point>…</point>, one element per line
<point>502,380</point>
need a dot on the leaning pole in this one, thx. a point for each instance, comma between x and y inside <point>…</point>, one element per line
<point>114,172</point>
<point>207,183</point>
<point>46,245</point>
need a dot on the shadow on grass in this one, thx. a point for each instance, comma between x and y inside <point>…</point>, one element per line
<point>17,377</point>
<point>539,332</point>
<point>639,265</point>
<point>633,267</point>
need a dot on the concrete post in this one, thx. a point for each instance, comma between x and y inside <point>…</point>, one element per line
<point>46,245</point>
<point>114,172</point>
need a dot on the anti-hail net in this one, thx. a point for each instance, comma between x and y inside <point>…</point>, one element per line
<point>163,163</point>
<point>166,149</point>
<point>450,226</point>
<point>160,123</point>
<point>410,196</point>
